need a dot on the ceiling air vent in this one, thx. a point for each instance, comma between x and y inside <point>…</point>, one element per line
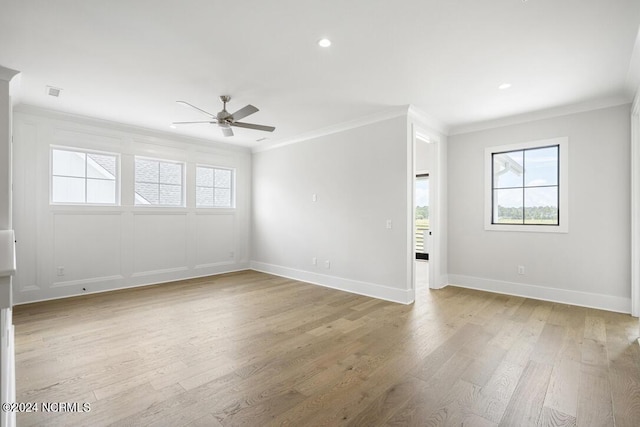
<point>53,91</point>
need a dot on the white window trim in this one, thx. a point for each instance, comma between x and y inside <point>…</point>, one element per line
<point>84,151</point>
<point>563,187</point>
<point>183,184</point>
<point>233,186</point>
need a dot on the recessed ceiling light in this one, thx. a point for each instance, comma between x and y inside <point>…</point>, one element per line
<point>173,126</point>
<point>504,86</point>
<point>324,42</point>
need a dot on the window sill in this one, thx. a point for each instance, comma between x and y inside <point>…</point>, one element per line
<point>527,228</point>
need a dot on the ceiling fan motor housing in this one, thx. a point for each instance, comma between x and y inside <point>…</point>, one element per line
<point>223,116</point>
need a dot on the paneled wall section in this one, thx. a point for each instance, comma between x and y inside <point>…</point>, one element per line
<point>66,250</point>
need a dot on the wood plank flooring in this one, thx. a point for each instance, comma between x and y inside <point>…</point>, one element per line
<point>250,349</point>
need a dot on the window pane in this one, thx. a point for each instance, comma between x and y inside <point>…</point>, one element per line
<point>508,169</point>
<point>67,190</point>
<point>101,191</point>
<point>204,197</point>
<point>68,163</point>
<point>507,206</point>
<point>223,178</point>
<point>204,177</point>
<point>147,171</point>
<point>101,166</point>
<point>222,198</point>
<point>170,195</point>
<point>146,193</point>
<point>541,205</point>
<point>170,173</point>
<point>542,166</point>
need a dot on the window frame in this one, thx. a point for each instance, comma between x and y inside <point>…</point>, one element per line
<point>563,187</point>
<point>85,151</point>
<point>183,183</point>
<point>232,188</point>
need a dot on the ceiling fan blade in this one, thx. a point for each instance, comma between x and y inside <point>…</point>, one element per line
<point>227,131</point>
<point>193,106</point>
<point>244,112</point>
<point>253,126</point>
<point>188,123</point>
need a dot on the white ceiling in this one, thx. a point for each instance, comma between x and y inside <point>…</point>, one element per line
<point>130,60</point>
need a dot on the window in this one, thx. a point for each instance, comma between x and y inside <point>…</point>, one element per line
<point>214,187</point>
<point>159,182</point>
<point>527,186</point>
<point>84,177</point>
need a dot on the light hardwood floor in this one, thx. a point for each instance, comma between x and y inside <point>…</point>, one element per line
<point>253,349</point>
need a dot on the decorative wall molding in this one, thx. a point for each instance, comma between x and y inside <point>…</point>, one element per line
<point>69,250</point>
<point>158,211</point>
<point>91,280</point>
<point>159,272</point>
<point>563,296</point>
<point>100,287</point>
<point>214,264</point>
<point>402,296</point>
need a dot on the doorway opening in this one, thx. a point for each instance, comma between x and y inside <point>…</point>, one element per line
<point>421,213</point>
<point>424,216</point>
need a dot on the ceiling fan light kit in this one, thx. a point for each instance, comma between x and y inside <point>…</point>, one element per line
<point>226,120</point>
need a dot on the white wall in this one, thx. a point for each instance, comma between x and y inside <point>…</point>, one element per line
<point>104,248</point>
<point>359,177</point>
<point>588,266</point>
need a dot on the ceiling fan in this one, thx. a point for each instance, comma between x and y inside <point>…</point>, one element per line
<point>226,120</point>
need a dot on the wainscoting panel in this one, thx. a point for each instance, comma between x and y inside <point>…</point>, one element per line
<point>160,243</point>
<point>85,246</point>
<point>68,250</point>
<point>215,239</point>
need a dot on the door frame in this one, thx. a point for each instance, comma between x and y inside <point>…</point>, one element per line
<point>420,126</point>
<point>635,207</point>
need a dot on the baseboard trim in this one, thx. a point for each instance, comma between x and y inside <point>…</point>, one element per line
<point>402,296</point>
<point>563,296</point>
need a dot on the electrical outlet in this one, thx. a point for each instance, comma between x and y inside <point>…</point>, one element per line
<point>314,197</point>
<point>60,271</point>
<point>314,261</point>
<point>389,224</point>
<point>327,264</point>
<point>521,269</point>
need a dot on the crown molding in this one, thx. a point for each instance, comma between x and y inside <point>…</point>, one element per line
<point>581,107</point>
<point>7,74</point>
<point>340,127</point>
<point>635,106</point>
<point>633,73</point>
<point>121,127</point>
<point>428,121</point>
